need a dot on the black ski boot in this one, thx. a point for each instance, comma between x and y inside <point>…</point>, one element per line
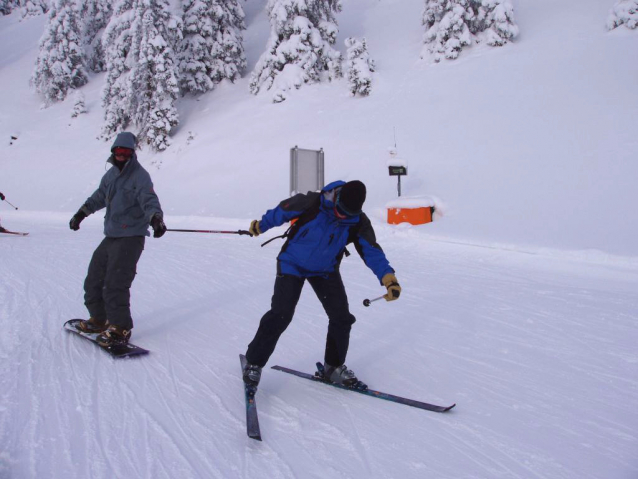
<point>114,336</point>
<point>252,375</point>
<point>92,326</point>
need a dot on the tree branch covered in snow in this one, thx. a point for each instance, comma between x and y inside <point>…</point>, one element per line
<point>95,15</point>
<point>625,12</point>
<point>452,25</point>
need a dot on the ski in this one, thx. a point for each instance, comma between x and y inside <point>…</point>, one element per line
<point>120,351</point>
<point>2,230</point>
<point>252,421</point>
<point>317,377</point>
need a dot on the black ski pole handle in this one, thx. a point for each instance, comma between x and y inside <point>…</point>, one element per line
<point>366,302</point>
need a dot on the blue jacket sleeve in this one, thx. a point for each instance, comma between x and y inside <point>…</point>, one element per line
<point>366,245</point>
<point>287,210</point>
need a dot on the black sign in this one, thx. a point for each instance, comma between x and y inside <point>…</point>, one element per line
<point>398,170</point>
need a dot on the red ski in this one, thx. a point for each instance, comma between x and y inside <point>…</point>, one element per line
<point>2,230</point>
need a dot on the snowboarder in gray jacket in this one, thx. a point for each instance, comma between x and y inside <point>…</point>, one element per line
<point>126,190</point>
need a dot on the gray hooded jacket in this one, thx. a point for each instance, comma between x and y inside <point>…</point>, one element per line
<point>128,196</point>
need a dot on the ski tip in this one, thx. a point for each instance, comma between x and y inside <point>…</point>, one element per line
<point>255,437</point>
<point>449,407</point>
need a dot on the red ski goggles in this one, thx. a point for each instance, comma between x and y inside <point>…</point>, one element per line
<point>125,152</point>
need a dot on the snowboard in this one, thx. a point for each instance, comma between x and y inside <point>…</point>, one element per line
<point>117,351</point>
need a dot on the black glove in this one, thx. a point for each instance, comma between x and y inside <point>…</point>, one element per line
<point>157,223</point>
<point>74,224</point>
<point>1,197</point>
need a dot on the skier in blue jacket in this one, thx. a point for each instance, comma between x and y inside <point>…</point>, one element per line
<point>326,222</point>
<point>126,190</point>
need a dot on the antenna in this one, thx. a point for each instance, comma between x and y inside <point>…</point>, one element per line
<point>394,128</point>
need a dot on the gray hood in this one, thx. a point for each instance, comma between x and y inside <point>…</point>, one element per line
<point>125,139</point>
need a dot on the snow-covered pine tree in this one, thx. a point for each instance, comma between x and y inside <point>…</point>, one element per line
<point>79,104</point>
<point>95,15</point>
<point>299,50</point>
<point>494,22</point>
<point>624,12</point>
<point>142,76</point>
<point>7,6</point>
<point>31,8</point>
<point>120,42</point>
<point>60,62</point>
<point>212,49</point>
<point>447,24</point>
<point>359,67</point>
<point>155,77</point>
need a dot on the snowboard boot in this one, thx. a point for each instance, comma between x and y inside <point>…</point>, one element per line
<point>114,336</point>
<point>340,375</point>
<point>92,326</point>
<point>251,375</point>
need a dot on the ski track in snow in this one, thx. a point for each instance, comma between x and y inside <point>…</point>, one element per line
<point>538,352</point>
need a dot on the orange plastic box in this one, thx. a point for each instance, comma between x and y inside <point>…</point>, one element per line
<point>414,216</point>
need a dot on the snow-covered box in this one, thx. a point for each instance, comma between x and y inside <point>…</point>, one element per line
<point>416,210</point>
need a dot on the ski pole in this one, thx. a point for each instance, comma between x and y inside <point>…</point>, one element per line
<point>11,205</point>
<point>366,302</point>
<point>3,198</point>
<point>238,232</point>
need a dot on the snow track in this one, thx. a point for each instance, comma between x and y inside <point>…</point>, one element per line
<point>538,352</point>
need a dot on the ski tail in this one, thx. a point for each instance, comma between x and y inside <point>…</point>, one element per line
<point>252,420</point>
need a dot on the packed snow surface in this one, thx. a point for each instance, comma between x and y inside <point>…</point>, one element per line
<point>519,302</point>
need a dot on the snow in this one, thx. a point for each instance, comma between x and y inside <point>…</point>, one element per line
<point>411,202</point>
<point>519,302</point>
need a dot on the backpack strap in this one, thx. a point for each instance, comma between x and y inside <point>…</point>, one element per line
<point>305,217</point>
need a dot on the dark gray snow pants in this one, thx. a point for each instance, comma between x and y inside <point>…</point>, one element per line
<point>107,287</point>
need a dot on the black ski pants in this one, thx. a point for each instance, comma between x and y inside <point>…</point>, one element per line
<point>107,287</point>
<point>331,293</point>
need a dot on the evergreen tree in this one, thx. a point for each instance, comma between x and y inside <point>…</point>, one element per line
<point>142,77</point>
<point>447,25</point>
<point>31,8</point>
<point>359,67</point>
<point>155,77</point>
<point>300,46</point>
<point>7,6</point>
<point>454,24</point>
<point>121,50</point>
<point>79,104</point>
<point>625,12</point>
<point>60,63</point>
<point>494,21</point>
<point>212,49</point>
<point>95,15</point>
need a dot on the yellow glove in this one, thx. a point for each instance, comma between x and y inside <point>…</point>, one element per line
<point>391,284</point>
<point>254,228</point>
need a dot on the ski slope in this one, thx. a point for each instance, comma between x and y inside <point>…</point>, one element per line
<point>537,349</point>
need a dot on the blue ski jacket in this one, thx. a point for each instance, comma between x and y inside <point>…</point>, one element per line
<point>319,244</point>
<point>128,196</point>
